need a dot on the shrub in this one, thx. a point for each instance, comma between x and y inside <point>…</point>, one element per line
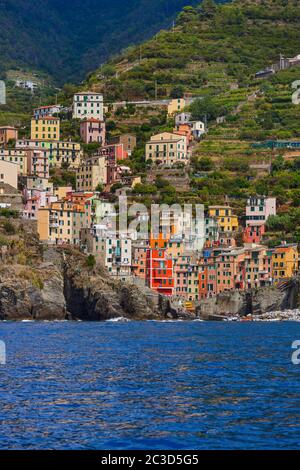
<point>91,261</point>
<point>8,227</point>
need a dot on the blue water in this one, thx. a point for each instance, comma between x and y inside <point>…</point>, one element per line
<point>149,386</point>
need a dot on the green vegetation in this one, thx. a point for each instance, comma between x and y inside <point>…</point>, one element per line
<point>67,42</point>
<point>91,262</point>
<point>211,49</point>
<point>8,213</point>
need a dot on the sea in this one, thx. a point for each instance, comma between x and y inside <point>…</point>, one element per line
<point>149,385</point>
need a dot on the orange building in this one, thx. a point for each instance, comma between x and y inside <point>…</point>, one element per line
<point>185,130</point>
<point>139,261</point>
<point>159,273</point>
<point>8,133</point>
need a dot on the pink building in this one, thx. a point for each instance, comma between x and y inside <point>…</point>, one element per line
<point>38,163</point>
<point>93,130</point>
<point>35,200</point>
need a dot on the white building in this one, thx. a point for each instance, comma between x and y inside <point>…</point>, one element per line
<point>259,209</point>
<point>2,93</point>
<point>183,118</point>
<point>88,105</point>
<point>46,111</point>
<point>198,128</point>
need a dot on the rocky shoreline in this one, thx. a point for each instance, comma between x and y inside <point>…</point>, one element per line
<point>61,286</point>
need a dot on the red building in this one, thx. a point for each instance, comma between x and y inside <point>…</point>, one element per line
<point>113,153</point>
<point>254,234</point>
<point>159,272</point>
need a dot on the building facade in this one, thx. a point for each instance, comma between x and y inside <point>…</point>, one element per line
<point>46,128</point>
<point>168,149</point>
<point>93,130</point>
<point>88,105</point>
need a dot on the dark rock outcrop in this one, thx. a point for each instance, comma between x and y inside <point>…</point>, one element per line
<point>22,299</point>
<point>253,302</point>
<point>91,295</point>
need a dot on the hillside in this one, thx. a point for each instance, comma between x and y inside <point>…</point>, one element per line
<point>69,41</point>
<point>210,49</point>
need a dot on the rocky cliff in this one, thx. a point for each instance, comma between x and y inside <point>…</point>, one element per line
<point>255,302</point>
<point>61,286</point>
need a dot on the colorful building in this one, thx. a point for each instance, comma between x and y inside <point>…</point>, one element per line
<point>46,128</point>
<point>15,156</point>
<point>88,105</point>
<point>91,173</point>
<point>60,153</point>
<point>128,141</point>
<point>168,149</point>
<point>56,223</point>
<point>8,133</point>
<point>285,262</point>
<point>34,200</point>
<point>186,276</point>
<point>159,272</point>
<point>93,130</point>
<point>227,221</point>
<point>9,173</point>
<point>176,105</point>
<point>46,111</point>
<point>258,210</point>
<point>38,163</point>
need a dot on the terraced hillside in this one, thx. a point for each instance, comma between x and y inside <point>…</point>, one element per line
<point>211,49</point>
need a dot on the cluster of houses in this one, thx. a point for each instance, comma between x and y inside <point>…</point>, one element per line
<point>33,158</point>
<point>175,262</point>
<point>189,267</point>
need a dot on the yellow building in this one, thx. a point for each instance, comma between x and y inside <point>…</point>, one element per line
<point>61,192</point>
<point>285,262</point>
<point>176,105</point>
<point>46,128</point>
<point>91,173</point>
<point>167,148</point>
<point>56,223</point>
<point>227,221</point>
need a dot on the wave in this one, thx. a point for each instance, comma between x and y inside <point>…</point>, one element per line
<point>118,320</point>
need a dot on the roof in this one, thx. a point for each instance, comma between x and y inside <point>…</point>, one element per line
<point>47,107</point>
<point>46,118</point>
<point>91,120</point>
<point>88,93</point>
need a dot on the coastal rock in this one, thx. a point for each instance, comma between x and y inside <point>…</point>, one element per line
<point>92,295</point>
<point>254,302</point>
<point>24,299</point>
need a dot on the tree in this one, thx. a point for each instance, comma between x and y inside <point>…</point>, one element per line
<point>177,92</point>
<point>203,164</point>
<point>208,8</point>
<point>206,107</point>
<point>100,188</point>
<point>91,262</point>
